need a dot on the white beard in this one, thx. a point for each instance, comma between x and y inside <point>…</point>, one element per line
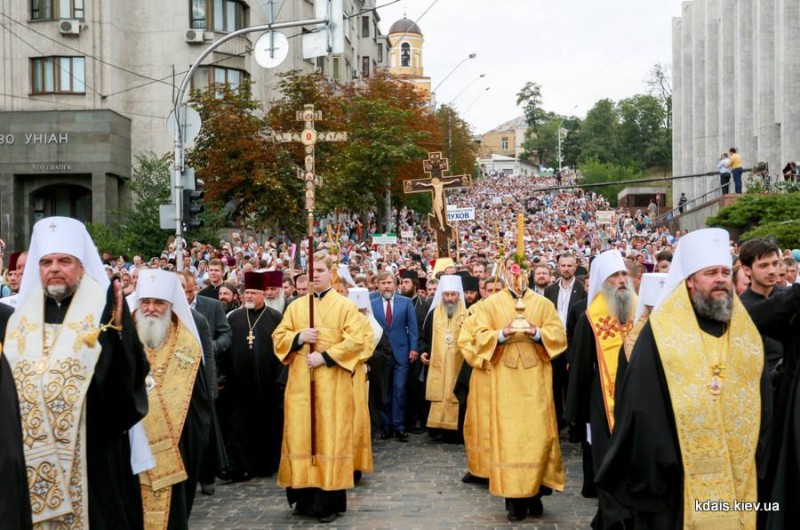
<point>449,309</point>
<point>620,303</point>
<point>278,304</point>
<point>249,305</point>
<point>153,329</point>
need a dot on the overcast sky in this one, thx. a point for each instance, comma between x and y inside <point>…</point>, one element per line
<point>579,51</point>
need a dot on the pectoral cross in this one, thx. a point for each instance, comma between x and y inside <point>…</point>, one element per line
<point>437,184</point>
<point>251,339</point>
<point>309,137</point>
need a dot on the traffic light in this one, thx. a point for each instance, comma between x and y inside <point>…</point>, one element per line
<point>193,206</point>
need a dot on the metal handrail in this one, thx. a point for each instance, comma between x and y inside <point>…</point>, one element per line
<point>690,205</point>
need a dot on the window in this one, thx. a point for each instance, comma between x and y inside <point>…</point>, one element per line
<point>365,23</point>
<point>337,75</point>
<point>321,65</point>
<point>217,75</point>
<point>380,52</point>
<point>51,9</point>
<point>218,15</point>
<point>365,67</point>
<point>405,54</point>
<point>504,143</point>
<point>58,75</point>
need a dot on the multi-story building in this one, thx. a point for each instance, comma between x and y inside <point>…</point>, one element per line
<point>736,83</point>
<point>86,86</point>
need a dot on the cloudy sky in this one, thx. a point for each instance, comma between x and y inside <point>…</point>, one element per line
<point>580,51</point>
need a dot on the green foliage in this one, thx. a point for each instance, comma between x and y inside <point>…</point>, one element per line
<point>595,172</point>
<point>762,216</point>
<point>106,239</point>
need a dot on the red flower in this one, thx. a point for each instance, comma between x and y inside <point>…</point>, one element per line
<point>515,269</point>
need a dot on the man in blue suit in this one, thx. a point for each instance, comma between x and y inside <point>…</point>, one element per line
<point>396,316</point>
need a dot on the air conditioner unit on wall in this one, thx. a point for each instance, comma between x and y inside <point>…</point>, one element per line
<point>69,27</point>
<point>194,35</point>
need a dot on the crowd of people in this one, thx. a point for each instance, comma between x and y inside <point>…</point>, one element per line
<point>129,385</point>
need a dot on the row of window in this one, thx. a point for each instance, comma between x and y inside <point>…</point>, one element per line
<point>67,75</point>
<point>211,15</point>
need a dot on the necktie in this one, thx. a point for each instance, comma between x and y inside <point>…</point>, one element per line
<point>388,313</point>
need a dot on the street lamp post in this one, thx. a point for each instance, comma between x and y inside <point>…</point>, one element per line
<point>476,99</point>
<point>452,101</point>
<point>433,92</point>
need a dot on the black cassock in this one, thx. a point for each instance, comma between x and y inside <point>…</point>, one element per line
<point>15,506</point>
<point>642,473</point>
<point>585,402</point>
<point>255,400</point>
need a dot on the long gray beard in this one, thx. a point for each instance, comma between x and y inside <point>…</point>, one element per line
<point>620,303</point>
<point>278,304</point>
<point>450,309</point>
<point>153,330</point>
<point>719,310</point>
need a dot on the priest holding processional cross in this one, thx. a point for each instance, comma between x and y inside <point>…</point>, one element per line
<point>320,340</point>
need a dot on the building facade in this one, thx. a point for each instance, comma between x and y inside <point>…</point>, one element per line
<point>88,85</point>
<point>736,83</point>
<point>506,139</point>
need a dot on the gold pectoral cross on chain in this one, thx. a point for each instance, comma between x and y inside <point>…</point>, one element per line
<point>251,339</point>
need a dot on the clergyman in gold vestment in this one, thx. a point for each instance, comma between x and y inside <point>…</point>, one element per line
<point>525,459</point>
<point>317,482</point>
<point>688,415</point>
<point>442,354</point>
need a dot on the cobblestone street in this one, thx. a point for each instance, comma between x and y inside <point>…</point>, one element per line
<point>416,485</point>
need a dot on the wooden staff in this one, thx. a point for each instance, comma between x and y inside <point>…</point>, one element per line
<point>312,347</point>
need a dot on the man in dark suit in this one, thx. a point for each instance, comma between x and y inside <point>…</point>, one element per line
<point>416,405</point>
<point>221,336</point>
<point>563,293</point>
<point>397,317</point>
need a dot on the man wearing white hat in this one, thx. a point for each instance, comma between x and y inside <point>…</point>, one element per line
<point>80,372</point>
<point>525,452</point>
<point>688,412</point>
<point>596,355</point>
<point>441,352</point>
<point>178,423</point>
<point>649,293</point>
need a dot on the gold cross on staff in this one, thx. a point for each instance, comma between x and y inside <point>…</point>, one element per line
<point>438,183</point>
<point>309,137</point>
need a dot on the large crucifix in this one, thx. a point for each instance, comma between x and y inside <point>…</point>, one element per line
<point>309,137</point>
<point>437,183</point>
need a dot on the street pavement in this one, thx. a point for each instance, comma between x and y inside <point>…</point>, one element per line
<point>415,485</point>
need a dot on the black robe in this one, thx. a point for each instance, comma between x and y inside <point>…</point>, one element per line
<point>585,402</point>
<point>416,406</point>
<point>255,398</point>
<point>643,470</point>
<point>15,506</point>
<point>115,402</point>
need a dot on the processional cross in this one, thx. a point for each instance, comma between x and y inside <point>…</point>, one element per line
<point>309,137</point>
<point>437,183</point>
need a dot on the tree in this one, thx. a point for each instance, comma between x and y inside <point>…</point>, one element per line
<point>137,230</point>
<point>530,99</point>
<point>597,172</point>
<point>246,175</point>
<point>642,137</point>
<point>762,216</point>
<point>660,83</point>
<point>599,133</point>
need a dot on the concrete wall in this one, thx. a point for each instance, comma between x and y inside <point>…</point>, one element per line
<point>736,66</point>
<point>89,149</point>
